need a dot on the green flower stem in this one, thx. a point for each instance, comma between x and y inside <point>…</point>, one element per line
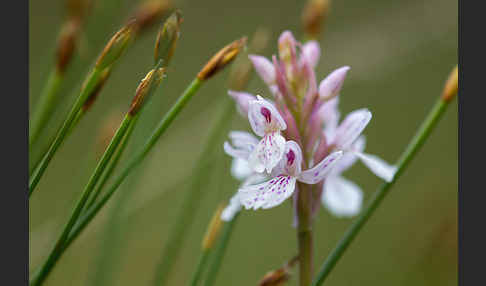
<point>304,234</point>
<point>191,202</point>
<point>203,259</point>
<point>90,213</point>
<point>417,142</point>
<point>113,163</point>
<point>44,109</point>
<point>39,277</point>
<point>220,250</point>
<point>91,83</point>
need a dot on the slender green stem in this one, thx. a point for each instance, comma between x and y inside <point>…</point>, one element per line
<point>220,250</point>
<point>58,248</point>
<point>413,147</point>
<point>113,163</point>
<point>191,200</point>
<point>91,83</point>
<point>47,102</point>
<point>304,234</point>
<point>203,259</point>
<point>91,212</point>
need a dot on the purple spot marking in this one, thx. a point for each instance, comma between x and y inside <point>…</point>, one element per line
<point>290,157</point>
<point>267,114</point>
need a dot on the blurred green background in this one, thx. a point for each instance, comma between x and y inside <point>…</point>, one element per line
<point>400,53</point>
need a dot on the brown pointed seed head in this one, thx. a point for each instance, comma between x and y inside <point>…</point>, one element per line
<point>146,87</point>
<point>150,12</point>
<point>77,9</point>
<point>222,58</point>
<point>66,44</point>
<point>451,85</point>
<point>116,46</point>
<point>213,229</point>
<point>275,278</point>
<point>314,17</point>
<point>97,89</point>
<point>167,38</point>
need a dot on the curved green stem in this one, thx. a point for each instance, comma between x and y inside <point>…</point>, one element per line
<point>45,107</point>
<point>413,147</point>
<point>220,250</point>
<point>200,267</point>
<point>58,248</point>
<point>88,88</point>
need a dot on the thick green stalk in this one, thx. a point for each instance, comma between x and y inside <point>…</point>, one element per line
<point>304,234</point>
<point>413,147</point>
<point>191,200</point>
<point>91,212</point>
<point>88,88</point>
<point>217,257</point>
<point>45,107</point>
<point>203,259</point>
<point>39,277</point>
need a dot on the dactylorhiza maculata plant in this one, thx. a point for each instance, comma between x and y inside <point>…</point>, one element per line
<point>300,142</point>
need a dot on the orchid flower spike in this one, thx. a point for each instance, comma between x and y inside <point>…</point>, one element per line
<point>265,120</point>
<point>273,192</point>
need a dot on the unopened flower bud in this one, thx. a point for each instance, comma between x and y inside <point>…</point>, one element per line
<point>314,16</point>
<point>146,88</point>
<point>97,89</point>
<point>150,12</point>
<point>66,44</point>
<point>213,229</point>
<point>116,46</point>
<point>222,58</point>
<point>167,38</point>
<point>331,85</point>
<point>451,86</point>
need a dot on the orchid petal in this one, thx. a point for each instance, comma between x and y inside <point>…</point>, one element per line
<point>351,127</point>
<point>243,143</point>
<point>378,166</point>
<point>240,169</point>
<point>264,68</point>
<point>311,51</point>
<point>291,163</point>
<point>350,158</point>
<point>342,197</point>
<point>329,115</point>
<point>242,101</point>
<point>331,85</point>
<point>264,117</point>
<point>321,170</point>
<point>267,153</point>
<point>232,208</point>
<point>268,194</point>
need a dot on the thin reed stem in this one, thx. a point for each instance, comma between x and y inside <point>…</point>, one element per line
<point>45,269</point>
<point>203,259</point>
<point>191,202</point>
<point>45,107</point>
<point>91,83</point>
<point>413,147</point>
<point>91,212</point>
<point>218,254</point>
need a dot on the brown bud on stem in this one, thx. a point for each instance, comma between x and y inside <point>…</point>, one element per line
<point>97,89</point>
<point>149,13</point>
<point>77,9</point>
<point>213,229</point>
<point>66,44</point>
<point>146,88</point>
<point>280,276</point>
<point>115,46</point>
<point>221,59</point>
<point>451,86</point>
<point>167,38</point>
<point>314,16</point>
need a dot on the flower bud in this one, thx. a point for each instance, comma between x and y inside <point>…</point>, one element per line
<point>77,9</point>
<point>213,229</point>
<point>66,44</point>
<point>331,85</point>
<point>150,12</point>
<point>115,46</point>
<point>167,38</point>
<point>275,278</point>
<point>146,87</point>
<point>314,14</point>
<point>451,86</point>
<point>97,89</point>
<point>222,58</point>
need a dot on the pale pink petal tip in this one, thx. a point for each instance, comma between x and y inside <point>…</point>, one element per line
<point>242,100</point>
<point>264,68</point>
<point>332,84</point>
<point>311,51</point>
